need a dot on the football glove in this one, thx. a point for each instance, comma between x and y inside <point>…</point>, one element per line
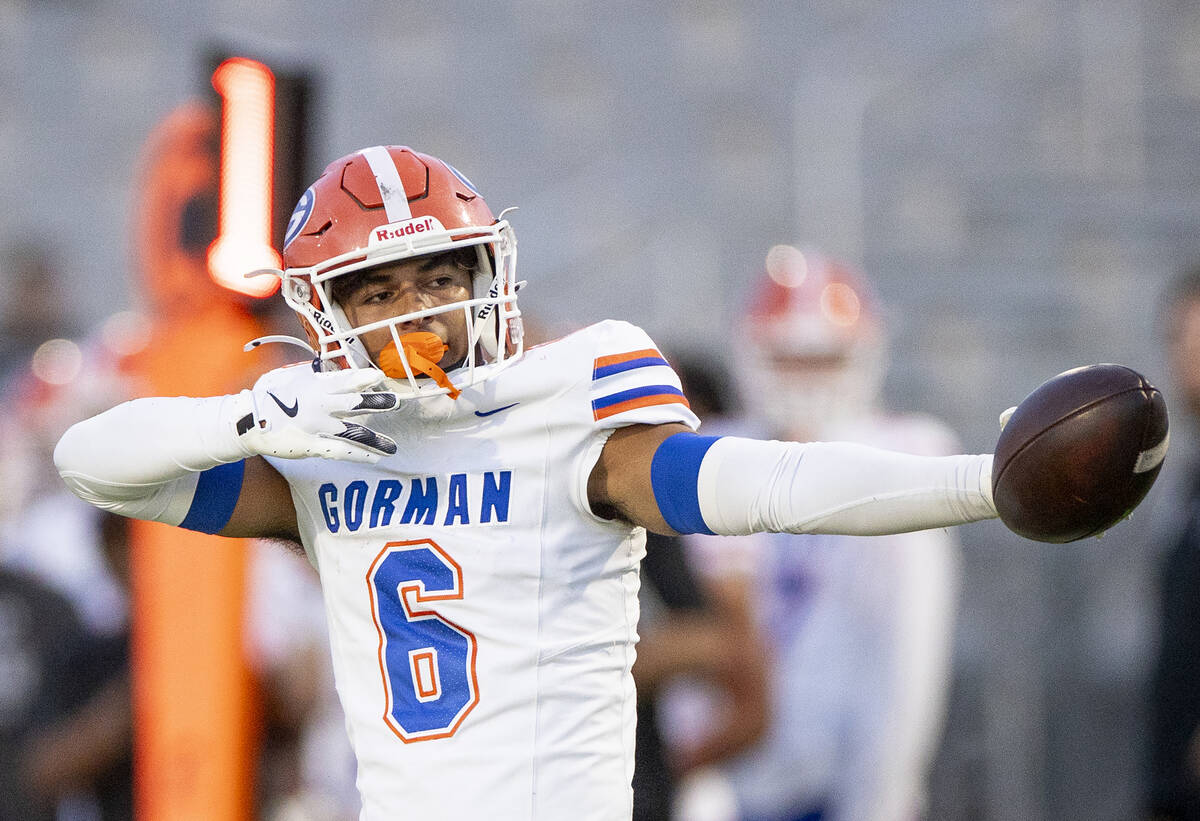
<point>293,412</point>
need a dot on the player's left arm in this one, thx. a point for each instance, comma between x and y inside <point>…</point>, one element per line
<point>670,480</point>
<point>620,485</point>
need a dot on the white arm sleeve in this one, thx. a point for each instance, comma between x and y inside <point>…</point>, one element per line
<point>747,486</point>
<point>143,458</point>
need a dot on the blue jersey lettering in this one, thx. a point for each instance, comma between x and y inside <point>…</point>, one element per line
<point>422,503</point>
<point>495,496</point>
<point>327,494</point>
<point>456,508</point>
<point>469,497</point>
<point>356,501</point>
<point>384,503</point>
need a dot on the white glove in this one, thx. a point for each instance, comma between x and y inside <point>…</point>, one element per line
<point>1005,416</point>
<point>293,412</point>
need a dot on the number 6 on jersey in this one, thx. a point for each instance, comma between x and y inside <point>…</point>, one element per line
<point>428,663</point>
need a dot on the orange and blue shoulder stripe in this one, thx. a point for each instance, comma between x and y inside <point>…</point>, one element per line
<point>621,362</point>
<point>640,396</point>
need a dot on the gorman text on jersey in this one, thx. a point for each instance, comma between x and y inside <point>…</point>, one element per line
<point>454,499</point>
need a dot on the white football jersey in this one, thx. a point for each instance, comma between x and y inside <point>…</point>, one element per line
<point>482,619</point>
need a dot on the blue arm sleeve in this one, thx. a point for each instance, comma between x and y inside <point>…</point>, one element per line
<point>216,495</point>
<point>673,474</point>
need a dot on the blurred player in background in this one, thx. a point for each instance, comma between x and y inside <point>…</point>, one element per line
<point>73,758</point>
<point>685,634</point>
<point>478,512</point>
<point>57,742</point>
<point>1174,743</point>
<point>860,629</point>
<point>707,720</point>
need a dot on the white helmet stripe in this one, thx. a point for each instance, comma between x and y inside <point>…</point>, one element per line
<point>395,200</point>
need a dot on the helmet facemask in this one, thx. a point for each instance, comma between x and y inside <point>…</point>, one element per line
<point>491,316</point>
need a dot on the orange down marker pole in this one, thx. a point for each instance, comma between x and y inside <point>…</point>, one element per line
<point>195,735</point>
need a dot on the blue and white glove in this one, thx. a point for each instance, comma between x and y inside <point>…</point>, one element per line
<point>294,412</point>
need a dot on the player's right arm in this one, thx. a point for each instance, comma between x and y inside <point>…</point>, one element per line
<point>655,471</point>
<point>196,462</point>
<point>670,480</point>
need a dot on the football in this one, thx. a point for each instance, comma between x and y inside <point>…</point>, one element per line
<point>1079,453</point>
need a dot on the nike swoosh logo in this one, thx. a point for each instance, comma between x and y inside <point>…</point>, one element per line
<point>290,411</point>
<point>496,410</point>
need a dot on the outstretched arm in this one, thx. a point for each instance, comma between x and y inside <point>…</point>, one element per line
<point>670,480</point>
<point>195,462</point>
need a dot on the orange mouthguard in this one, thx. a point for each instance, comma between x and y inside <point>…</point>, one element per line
<point>423,350</point>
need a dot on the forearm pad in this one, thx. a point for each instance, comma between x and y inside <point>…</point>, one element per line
<point>747,486</point>
<point>145,458</point>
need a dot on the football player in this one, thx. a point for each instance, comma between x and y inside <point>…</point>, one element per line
<point>477,512</point>
<point>859,629</point>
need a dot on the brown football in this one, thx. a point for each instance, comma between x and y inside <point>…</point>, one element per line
<point>1079,453</point>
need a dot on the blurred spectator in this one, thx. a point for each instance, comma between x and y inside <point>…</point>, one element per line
<point>1175,690</point>
<point>47,532</point>
<point>860,628</point>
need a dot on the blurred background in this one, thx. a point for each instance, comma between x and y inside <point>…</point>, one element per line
<point>1019,182</point>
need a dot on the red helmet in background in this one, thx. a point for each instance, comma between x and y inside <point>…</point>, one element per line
<point>815,333</point>
<point>64,381</point>
<point>388,203</point>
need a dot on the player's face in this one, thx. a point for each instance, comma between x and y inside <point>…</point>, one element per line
<point>407,286</point>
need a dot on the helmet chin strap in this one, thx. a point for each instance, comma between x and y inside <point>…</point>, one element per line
<point>486,283</point>
<point>351,347</point>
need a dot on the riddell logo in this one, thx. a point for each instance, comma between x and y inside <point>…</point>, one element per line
<point>493,292</point>
<point>405,229</point>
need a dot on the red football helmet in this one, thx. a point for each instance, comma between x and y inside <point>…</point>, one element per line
<point>815,333</point>
<point>389,203</point>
